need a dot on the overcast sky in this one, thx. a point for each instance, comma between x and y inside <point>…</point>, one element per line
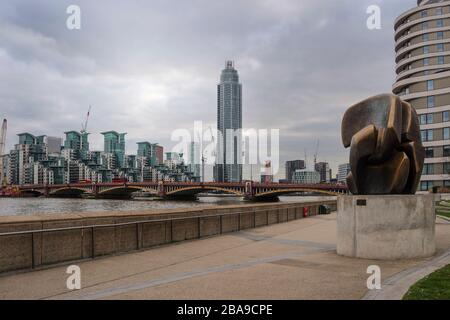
<point>149,67</point>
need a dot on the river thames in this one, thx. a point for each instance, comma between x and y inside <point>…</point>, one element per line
<point>29,206</point>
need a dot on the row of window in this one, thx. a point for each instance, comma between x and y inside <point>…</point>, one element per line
<point>429,118</point>
<point>428,168</point>
<point>439,24</point>
<point>437,11</point>
<point>428,185</point>
<point>426,36</point>
<point>427,135</point>
<point>429,152</point>
<point>439,48</point>
<point>426,62</point>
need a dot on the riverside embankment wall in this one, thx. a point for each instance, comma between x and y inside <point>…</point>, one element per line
<point>30,242</point>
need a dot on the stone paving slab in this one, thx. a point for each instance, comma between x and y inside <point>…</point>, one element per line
<point>294,260</point>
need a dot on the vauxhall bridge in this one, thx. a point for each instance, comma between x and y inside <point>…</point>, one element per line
<point>181,190</point>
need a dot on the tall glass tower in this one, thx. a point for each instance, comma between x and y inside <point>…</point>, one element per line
<point>228,166</point>
<point>422,45</point>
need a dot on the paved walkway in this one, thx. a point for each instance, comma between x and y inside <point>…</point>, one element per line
<point>295,260</point>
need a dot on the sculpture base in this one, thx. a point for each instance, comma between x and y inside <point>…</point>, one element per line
<point>386,227</point>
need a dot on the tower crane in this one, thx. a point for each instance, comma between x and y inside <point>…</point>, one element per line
<point>2,150</point>
<point>84,126</point>
<point>315,154</point>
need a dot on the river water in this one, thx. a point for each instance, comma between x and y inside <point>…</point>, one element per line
<point>28,206</point>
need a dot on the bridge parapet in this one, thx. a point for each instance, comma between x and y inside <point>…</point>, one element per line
<point>248,189</point>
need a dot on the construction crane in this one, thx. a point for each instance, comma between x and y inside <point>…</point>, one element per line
<point>2,150</point>
<point>84,126</point>
<point>315,154</point>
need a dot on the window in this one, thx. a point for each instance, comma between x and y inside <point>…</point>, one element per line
<point>426,118</point>
<point>430,101</point>
<point>446,183</point>
<point>439,23</point>
<point>446,168</point>
<point>440,35</point>
<point>424,25</point>
<point>426,135</point>
<point>424,13</point>
<point>426,49</point>
<point>429,153</point>
<point>440,60</point>
<point>430,85</point>
<point>426,61</point>
<point>438,11</point>
<point>427,169</point>
<point>446,133</point>
<point>426,37</point>
<point>446,151</point>
<point>440,47</point>
<point>426,185</point>
<point>445,116</point>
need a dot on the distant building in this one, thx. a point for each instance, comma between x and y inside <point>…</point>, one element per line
<point>305,177</point>
<point>114,142</point>
<point>229,120</point>
<point>323,168</point>
<point>159,152</point>
<point>291,166</point>
<point>195,160</point>
<point>343,171</point>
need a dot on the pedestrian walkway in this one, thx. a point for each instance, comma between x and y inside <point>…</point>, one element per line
<point>294,260</point>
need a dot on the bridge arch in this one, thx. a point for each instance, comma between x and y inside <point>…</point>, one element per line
<point>123,191</point>
<point>68,191</point>
<point>32,193</point>
<point>187,191</point>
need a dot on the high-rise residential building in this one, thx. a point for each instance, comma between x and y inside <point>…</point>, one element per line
<point>114,143</point>
<point>291,166</point>
<point>228,166</point>
<point>343,171</point>
<point>422,45</point>
<point>159,152</point>
<point>323,168</point>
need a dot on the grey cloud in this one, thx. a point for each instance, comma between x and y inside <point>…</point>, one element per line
<point>149,67</point>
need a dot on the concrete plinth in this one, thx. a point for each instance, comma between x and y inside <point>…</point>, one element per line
<point>386,227</point>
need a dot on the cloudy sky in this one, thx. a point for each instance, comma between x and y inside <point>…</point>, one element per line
<point>149,67</point>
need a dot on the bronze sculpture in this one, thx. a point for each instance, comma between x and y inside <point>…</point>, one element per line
<point>386,152</point>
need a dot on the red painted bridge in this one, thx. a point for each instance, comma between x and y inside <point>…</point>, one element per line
<point>248,189</point>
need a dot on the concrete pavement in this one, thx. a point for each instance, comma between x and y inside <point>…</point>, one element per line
<point>294,260</point>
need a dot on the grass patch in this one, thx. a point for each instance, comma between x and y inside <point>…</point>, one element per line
<point>444,213</point>
<point>435,286</point>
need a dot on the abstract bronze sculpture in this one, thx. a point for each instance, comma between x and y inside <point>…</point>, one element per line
<point>386,152</point>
